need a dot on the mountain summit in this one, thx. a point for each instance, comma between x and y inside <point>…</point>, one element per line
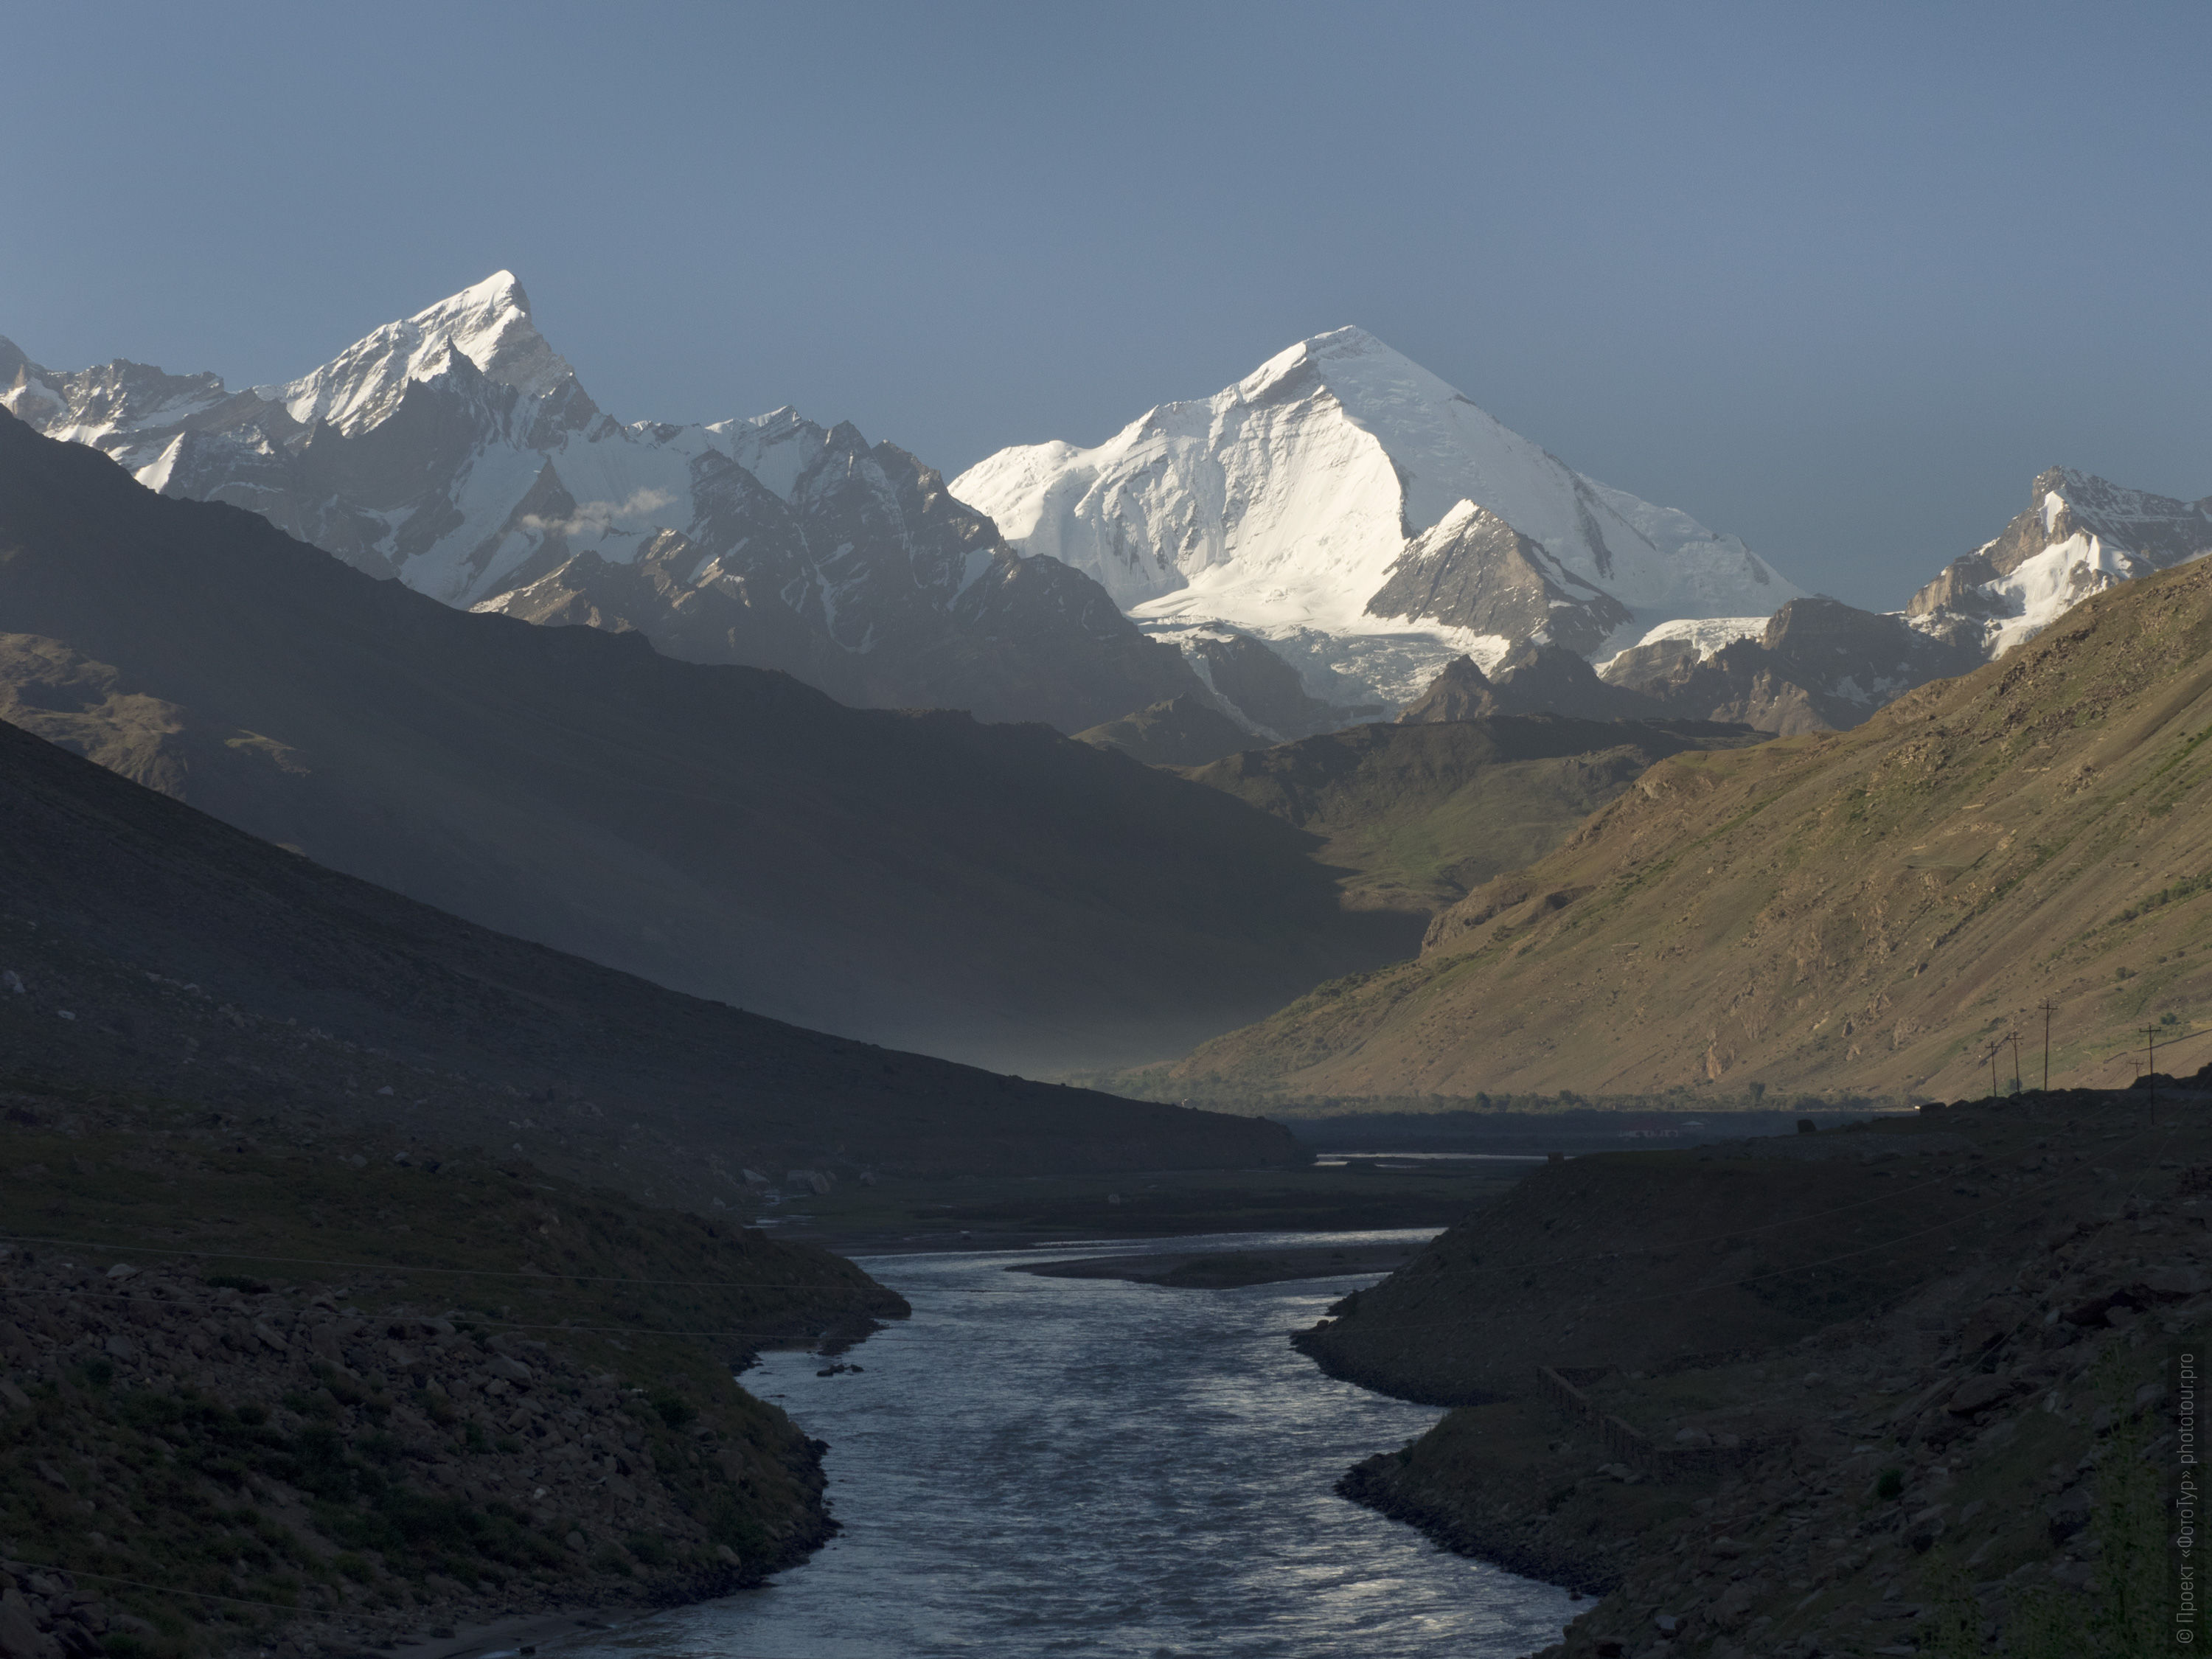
<point>456,451</point>
<point>1364,516</point>
<point>489,324</point>
<point>2079,535</point>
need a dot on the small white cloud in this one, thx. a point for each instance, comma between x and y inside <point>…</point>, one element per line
<point>597,518</point>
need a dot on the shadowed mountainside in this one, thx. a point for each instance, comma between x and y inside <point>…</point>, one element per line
<point>148,948</point>
<point>1872,909</point>
<point>1421,812</point>
<point>1182,731</point>
<point>998,894</point>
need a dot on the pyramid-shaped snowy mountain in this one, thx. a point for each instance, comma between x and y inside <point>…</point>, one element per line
<point>1365,517</point>
<point>456,451</point>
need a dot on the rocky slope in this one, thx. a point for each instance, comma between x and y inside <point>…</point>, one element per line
<point>994,893</point>
<point>1416,815</point>
<point>1887,1390</point>
<point>1365,519</point>
<point>456,451</point>
<point>1817,665</point>
<point>1529,679</point>
<point>1873,909</point>
<point>265,1381</point>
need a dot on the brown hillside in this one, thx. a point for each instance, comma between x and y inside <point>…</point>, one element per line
<point>1874,909</point>
<point>1419,813</point>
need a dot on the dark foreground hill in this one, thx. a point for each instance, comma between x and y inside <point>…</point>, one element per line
<point>1901,1388</point>
<point>265,1385</point>
<point>997,893</point>
<point>147,947</point>
<point>1875,910</point>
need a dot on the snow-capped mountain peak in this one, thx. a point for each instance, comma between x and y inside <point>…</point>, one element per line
<point>456,451</point>
<point>488,322</point>
<point>2079,535</point>
<point>1285,505</point>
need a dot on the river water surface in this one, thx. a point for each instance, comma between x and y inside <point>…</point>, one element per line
<point>1051,1466</point>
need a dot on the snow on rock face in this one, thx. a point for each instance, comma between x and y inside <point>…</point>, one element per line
<point>1703,636</point>
<point>1285,505</point>
<point>456,451</point>
<point>2080,535</point>
<point>489,324</point>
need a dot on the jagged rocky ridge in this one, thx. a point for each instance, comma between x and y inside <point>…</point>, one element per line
<point>1818,665</point>
<point>458,452</point>
<point>2079,536</point>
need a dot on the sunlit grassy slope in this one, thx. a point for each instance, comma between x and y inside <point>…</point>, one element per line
<point>1873,909</point>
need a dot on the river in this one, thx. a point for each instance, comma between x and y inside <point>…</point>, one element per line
<point>1035,1467</point>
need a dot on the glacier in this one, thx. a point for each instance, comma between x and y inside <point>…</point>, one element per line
<point>1286,505</point>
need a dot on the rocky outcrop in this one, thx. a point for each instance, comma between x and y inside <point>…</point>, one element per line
<point>1474,570</point>
<point>1460,692</point>
<point>1821,665</point>
<point>1260,687</point>
<point>1530,679</point>
<point>2079,535</point>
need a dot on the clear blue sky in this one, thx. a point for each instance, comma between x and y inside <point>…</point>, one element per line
<point>1839,278</point>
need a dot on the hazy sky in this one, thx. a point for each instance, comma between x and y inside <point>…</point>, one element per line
<point>1839,278</point>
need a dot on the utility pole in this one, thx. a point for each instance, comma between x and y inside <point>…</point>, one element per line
<point>1993,1069</point>
<point>2150,1069</point>
<point>2046,1045</point>
<point>2015,1062</point>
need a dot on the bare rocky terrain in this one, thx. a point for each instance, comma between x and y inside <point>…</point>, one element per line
<point>268,1388</point>
<point>1924,1410</point>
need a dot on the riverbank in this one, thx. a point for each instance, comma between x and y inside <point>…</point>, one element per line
<point>345,1396</point>
<point>896,1215</point>
<point>1959,1446</point>
<point>1034,1465</point>
<point>1226,1269</point>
